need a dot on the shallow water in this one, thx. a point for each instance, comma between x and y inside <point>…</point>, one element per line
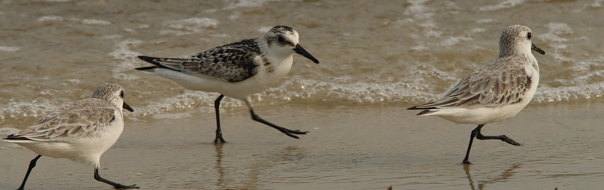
<point>376,59</point>
<point>391,52</point>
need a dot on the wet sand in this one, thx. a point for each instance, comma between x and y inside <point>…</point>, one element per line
<point>349,147</point>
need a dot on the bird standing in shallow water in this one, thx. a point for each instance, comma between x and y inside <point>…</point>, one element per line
<point>237,70</point>
<point>81,131</point>
<point>495,92</point>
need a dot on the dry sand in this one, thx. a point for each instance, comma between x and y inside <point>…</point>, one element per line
<point>349,147</point>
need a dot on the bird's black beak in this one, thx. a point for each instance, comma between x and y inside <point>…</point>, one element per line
<point>299,50</point>
<point>127,107</point>
<point>537,49</point>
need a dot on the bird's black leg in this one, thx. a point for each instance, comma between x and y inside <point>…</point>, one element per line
<point>115,185</point>
<point>472,135</point>
<point>500,137</point>
<point>288,132</point>
<point>218,139</point>
<point>32,164</point>
<point>476,133</point>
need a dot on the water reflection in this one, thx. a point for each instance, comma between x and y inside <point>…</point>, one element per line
<point>258,166</point>
<point>505,175</point>
<point>218,167</point>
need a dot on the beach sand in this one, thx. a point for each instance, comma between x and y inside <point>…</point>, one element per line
<point>349,147</point>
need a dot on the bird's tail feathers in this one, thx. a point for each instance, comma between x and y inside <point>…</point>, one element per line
<point>18,139</point>
<point>155,61</point>
<point>425,109</point>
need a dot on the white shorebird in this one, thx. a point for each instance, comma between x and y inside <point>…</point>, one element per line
<point>81,131</point>
<point>495,92</point>
<point>237,70</point>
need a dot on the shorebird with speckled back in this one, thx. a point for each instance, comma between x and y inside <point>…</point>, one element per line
<point>494,92</point>
<point>81,131</point>
<point>237,70</point>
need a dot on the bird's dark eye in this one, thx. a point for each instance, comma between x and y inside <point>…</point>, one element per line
<point>528,35</point>
<point>122,94</point>
<point>280,39</point>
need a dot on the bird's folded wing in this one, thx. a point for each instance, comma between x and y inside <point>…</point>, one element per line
<point>81,118</point>
<point>224,63</point>
<point>490,86</point>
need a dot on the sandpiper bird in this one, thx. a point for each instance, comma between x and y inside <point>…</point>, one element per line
<point>81,131</point>
<point>494,92</point>
<point>237,70</point>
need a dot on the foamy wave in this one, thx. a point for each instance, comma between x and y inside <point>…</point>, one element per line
<point>236,15</point>
<point>503,5</point>
<point>112,37</point>
<point>595,5</point>
<point>464,37</point>
<point>72,81</point>
<point>312,91</point>
<point>418,10</point>
<point>246,3</point>
<point>484,20</point>
<point>9,49</point>
<point>59,19</point>
<point>305,91</point>
<point>556,31</point>
<point>15,109</point>
<point>357,93</point>
<point>421,15</point>
<point>126,59</point>
<point>560,28</point>
<point>569,94</point>
<point>189,100</point>
<point>300,91</point>
<point>188,26</point>
<point>51,19</point>
<point>556,36</point>
<point>95,22</point>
